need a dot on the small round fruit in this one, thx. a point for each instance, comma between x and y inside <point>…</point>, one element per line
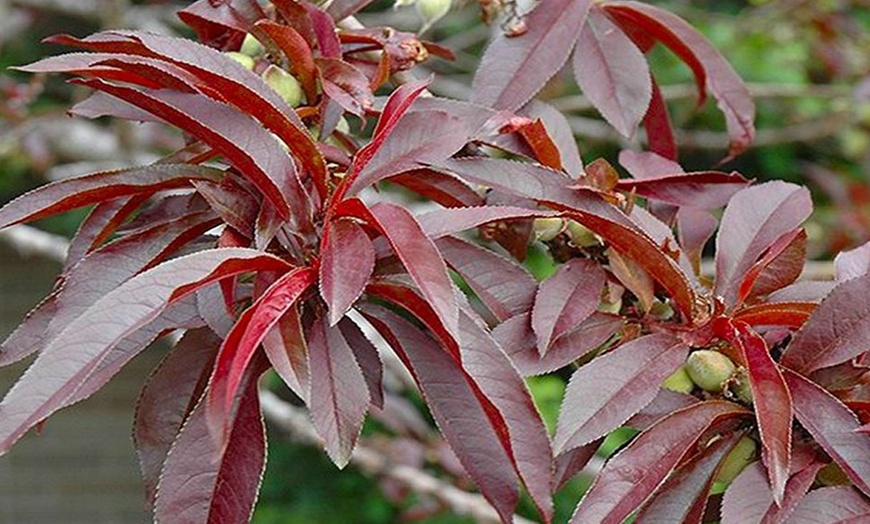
<point>284,84</point>
<point>246,61</point>
<point>581,236</point>
<point>740,456</point>
<point>432,10</point>
<point>547,229</point>
<point>679,381</point>
<point>251,46</point>
<point>709,369</point>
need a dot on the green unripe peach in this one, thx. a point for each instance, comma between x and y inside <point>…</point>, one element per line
<point>740,388</point>
<point>547,229</point>
<point>284,84</point>
<point>679,381</point>
<point>246,61</point>
<point>709,369</point>
<point>581,236</point>
<point>251,46</point>
<point>741,456</point>
<point>432,10</point>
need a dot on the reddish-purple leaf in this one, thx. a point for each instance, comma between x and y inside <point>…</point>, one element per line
<point>80,191</point>
<point>299,55</point>
<point>515,335</point>
<point>442,222</point>
<point>665,403</point>
<point>346,264</point>
<point>853,263</point>
<point>560,132</point>
<point>704,190</point>
<point>753,221</point>
<point>504,287</point>
<point>339,394</point>
<point>287,351</point>
<point>683,496</point>
<point>460,413</point>
<point>647,164</point>
<point>167,399</point>
<point>367,357</point>
<point>710,68</point>
<point>73,355</point>
<point>750,499</point>
<point>221,22</point>
<point>695,227</point>
<point>346,85</point>
<point>515,68</point>
<point>205,481</point>
<point>566,299</point>
<point>833,426</point>
<point>99,225</point>
<point>838,330</point>
<point>606,392</point>
<point>771,399</point>
<point>633,474</point>
<point>245,337</point>
<point>833,505</point>
<point>781,265</point>
<point>612,72</point>
<point>572,462</point>
<point>657,123</point>
<point>442,188</point>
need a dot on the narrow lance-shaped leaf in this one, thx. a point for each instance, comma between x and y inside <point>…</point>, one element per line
<point>781,265</point>
<point>68,360</point>
<point>606,392</point>
<point>841,504</point>
<point>612,72</point>
<point>203,481</point>
<point>566,299</point>
<point>703,190</point>
<point>287,350</point>
<point>771,399</point>
<point>367,357</point>
<point>442,222</point>
<point>339,394</point>
<point>346,264</point>
<point>838,330</point>
<point>514,69</point>
<point>833,426</point>
<point>634,473</point>
<point>749,498</point>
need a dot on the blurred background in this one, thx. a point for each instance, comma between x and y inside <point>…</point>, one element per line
<point>806,61</point>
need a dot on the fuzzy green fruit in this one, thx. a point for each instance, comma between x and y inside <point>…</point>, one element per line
<point>741,456</point>
<point>581,236</point>
<point>740,387</point>
<point>284,84</point>
<point>709,369</point>
<point>246,61</point>
<point>251,46</point>
<point>547,229</point>
<point>432,10</point>
<point>679,381</point>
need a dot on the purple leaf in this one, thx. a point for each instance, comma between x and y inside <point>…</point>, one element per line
<point>99,225</point>
<point>634,473</point>
<point>837,331</point>
<point>560,131</point>
<point>566,299</point>
<point>853,263</point>
<point>167,399</point>
<point>833,426</point>
<point>749,498</point>
<point>287,351</point>
<point>647,164</point>
<point>514,69</point>
<point>516,336</point>
<point>367,357</point>
<point>754,219</point>
<point>203,481</point>
<point>704,190</point>
<point>346,264</point>
<point>80,191</point>
<point>612,72</point>
<point>833,505</point>
<point>665,403</point>
<point>572,462</point>
<point>339,394</point>
<point>73,355</point>
<point>442,222</point>
<point>606,392</point>
<point>346,85</point>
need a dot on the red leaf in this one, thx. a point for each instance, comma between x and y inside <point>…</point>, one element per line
<point>543,148</point>
<point>346,264</point>
<point>749,498</point>
<point>606,392</point>
<point>297,52</point>
<point>99,225</point>
<point>644,165</point>
<point>566,299</point>
<point>245,337</point>
<point>704,190</point>
<point>837,331</point>
<point>80,191</point>
<point>834,505</point>
<point>339,394</point>
<point>452,397</point>
<point>514,69</point>
<point>559,131</point>
<point>853,263</point>
<point>167,399</point>
<point>287,351</point>
<point>70,357</point>
<point>367,357</point>
<point>223,21</point>
<point>515,335</point>
<point>771,399</point>
<point>780,266</point>
<point>754,220</point>
<point>710,68</point>
<point>683,497</point>
<point>657,123</point>
<point>788,314</point>
<point>612,72</point>
<point>442,188</point>
<point>204,481</point>
<point>833,426</point>
<point>346,85</point>
<point>634,473</point>
<point>443,222</point>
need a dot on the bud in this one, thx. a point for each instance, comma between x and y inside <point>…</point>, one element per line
<point>251,46</point>
<point>246,61</point>
<point>741,456</point>
<point>679,381</point>
<point>547,229</point>
<point>284,84</point>
<point>709,369</point>
<point>581,236</point>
